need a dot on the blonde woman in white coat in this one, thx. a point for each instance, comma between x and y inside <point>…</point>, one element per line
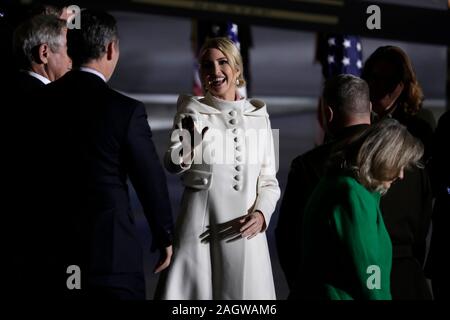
<point>228,170</point>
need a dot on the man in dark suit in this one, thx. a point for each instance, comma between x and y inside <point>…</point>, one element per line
<point>437,265</point>
<point>40,48</point>
<point>95,138</point>
<point>347,111</point>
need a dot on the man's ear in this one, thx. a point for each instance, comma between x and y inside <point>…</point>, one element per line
<point>42,53</point>
<point>111,50</point>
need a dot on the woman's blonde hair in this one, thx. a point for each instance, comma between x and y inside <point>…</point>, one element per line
<point>381,152</point>
<point>230,51</point>
<point>387,148</point>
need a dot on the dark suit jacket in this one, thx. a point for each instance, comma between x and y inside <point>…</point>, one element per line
<point>437,265</point>
<point>305,174</point>
<point>418,127</point>
<point>19,99</point>
<point>95,138</point>
<point>18,102</point>
<point>406,210</point>
<point>26,84</point>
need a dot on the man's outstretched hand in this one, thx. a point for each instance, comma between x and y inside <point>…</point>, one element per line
<point>164,260</point>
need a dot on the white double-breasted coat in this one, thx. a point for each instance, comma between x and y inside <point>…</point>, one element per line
<point>233,174</point>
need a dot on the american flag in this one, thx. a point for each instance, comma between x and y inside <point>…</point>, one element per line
<point>339,54</point>
<point>232,34</point>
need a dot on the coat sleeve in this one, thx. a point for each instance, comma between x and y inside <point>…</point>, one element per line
<point>148,178</point>
<point>357,235</point>
<point>268,189</point>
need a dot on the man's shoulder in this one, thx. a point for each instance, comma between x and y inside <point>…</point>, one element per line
<point>72,81</point>
<point>25,83</point>
<point>123,100</point>
<point>122,106</point>
<point>315,157</point>
<point>90,88</point>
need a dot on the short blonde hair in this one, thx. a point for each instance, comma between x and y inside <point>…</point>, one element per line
<point>385,148</point>
<point>230,51</point>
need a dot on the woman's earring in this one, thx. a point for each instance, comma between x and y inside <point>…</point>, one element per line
<point>237,82</point>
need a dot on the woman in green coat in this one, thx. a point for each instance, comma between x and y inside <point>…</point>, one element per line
<point>347,252</point>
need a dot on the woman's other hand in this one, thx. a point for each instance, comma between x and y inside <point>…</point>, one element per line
<point>254,223</point>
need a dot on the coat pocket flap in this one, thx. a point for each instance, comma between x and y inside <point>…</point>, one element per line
<point>197,179</point>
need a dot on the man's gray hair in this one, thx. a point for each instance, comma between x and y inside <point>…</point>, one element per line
<point>347,94</point>
<point>32,33</point>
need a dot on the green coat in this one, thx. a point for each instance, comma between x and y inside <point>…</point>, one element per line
<point>347,250</point>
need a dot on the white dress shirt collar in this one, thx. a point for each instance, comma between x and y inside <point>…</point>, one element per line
<point>93,71</point>
<point>43,79</point>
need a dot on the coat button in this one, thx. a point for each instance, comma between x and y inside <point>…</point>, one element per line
<point>237,139</point>
<point>237,178</point>
<point>238,148</point>
<point>235,130</point>
<point>237,187</point>
<point>239,158</point>
<point>232,113</point>
<point>204,181</point>
<point>238,167</point>
<point>233,121</point>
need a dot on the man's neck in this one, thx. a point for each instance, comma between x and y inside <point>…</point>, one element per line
<point>93,71</point>
<point>346,122</point>
<point>354,122</point>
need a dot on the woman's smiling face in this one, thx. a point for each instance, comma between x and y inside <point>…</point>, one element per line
<point>218,75</point>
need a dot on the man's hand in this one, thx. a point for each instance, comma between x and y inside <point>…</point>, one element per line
<point>164,261</point>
